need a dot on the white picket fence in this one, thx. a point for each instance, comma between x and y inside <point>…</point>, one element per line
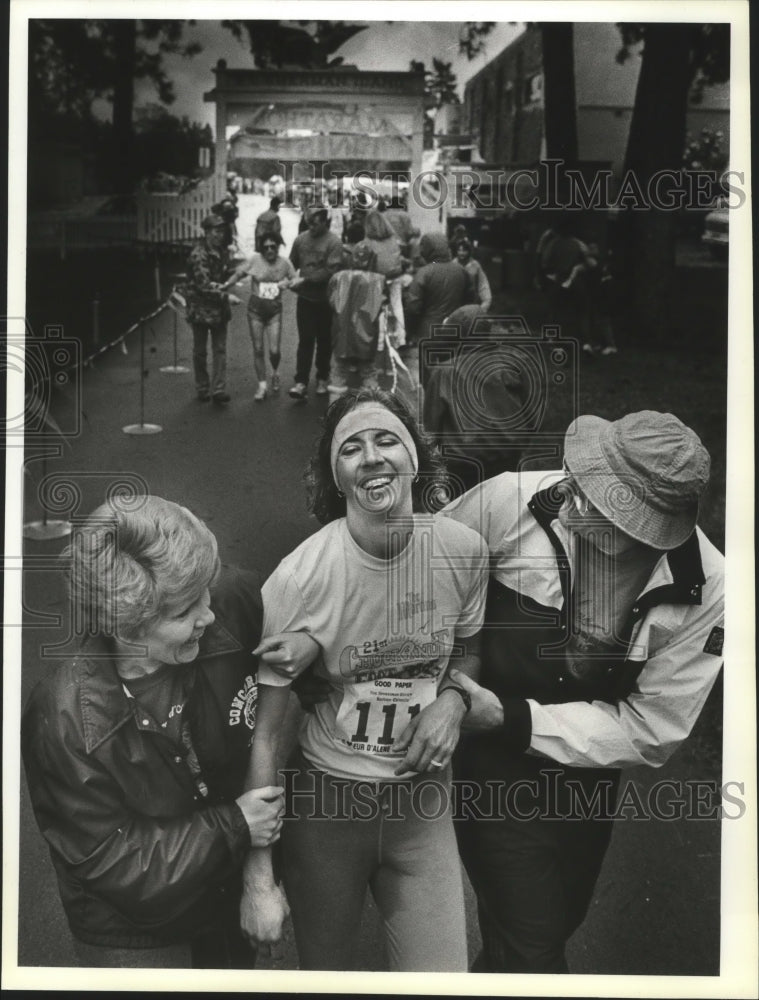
<point>175,218</point>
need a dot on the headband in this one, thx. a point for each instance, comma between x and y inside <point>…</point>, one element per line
<point>370,417</point>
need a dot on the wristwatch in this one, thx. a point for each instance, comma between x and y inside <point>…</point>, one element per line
<point>465,696</point>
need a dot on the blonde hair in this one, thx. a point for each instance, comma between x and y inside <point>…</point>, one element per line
<point>132,559</point>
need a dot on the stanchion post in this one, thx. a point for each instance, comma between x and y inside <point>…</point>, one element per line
<point>142,427</point>
<point>176,368</point>
<point>41,531</point>
<point>142,373</point>
<point>176,322</point>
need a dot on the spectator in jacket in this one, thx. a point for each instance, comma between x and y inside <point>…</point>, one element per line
<point>480,284</point>
<point>401,222</point>
<point>562,265</point>
<point>136,751</point>
<point>602,641</point>
<point>269,223</point>
<point>208,311</point>
<point>438,288</point>
<point>475,402</point>
<point>227,210</point>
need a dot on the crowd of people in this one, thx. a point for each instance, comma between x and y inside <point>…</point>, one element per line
<point>223,751</point>
<point>344,324</point>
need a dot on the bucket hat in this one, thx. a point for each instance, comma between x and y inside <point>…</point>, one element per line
<point>644,472</point>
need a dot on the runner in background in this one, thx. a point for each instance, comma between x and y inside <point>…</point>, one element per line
<point>269,274</point>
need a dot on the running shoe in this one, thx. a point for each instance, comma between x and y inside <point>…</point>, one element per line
<point>298,391</point>
<point>275,383</point>
<point>321,387</point>
<point>609,350</point>
<point>261,393</point>
<point>221,397</point>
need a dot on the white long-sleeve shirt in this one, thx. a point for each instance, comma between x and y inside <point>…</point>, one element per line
<point>677,636</point>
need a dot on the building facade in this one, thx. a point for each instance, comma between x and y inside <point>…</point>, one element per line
<point>504,108</point>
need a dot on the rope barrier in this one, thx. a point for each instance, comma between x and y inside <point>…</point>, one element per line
<point>135,326</point>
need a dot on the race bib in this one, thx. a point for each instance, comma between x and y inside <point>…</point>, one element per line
<point>373,714</point>
<point>268,290</point>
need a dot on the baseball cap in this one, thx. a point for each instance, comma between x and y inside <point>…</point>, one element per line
<point>315,211</point>
<point>212,222</point>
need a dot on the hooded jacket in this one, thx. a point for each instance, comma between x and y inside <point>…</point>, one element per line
<point>143,857</point>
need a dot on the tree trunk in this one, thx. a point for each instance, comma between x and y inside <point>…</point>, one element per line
<point>655,143</point>
<point>125,40</point>
<point>559,91</point>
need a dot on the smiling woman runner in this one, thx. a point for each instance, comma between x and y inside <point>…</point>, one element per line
<point>391,595</point>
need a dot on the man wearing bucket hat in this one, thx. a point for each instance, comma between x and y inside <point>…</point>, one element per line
<point>317,254</point>
<point>603,638</point>
<point>208,309</point>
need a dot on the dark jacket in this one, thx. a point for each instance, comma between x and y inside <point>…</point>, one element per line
<point>142,858</point>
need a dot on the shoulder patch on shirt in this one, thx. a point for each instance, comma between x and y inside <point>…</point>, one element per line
<point>715,641</point>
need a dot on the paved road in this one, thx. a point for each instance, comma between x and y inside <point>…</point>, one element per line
<point>239,468</point>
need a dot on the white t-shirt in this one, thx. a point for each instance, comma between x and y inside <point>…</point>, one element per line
<point>386,628</point>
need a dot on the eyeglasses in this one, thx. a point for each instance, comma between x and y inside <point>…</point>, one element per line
<point>268,246</point>
<point>568,486</point>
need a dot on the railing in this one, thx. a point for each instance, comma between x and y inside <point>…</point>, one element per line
<point>55,232</point>
<point>173,218</point>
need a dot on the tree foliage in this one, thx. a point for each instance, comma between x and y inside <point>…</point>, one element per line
<point>303,44</point>
<point>165,143</point>
<point>709,51</point>
<point>472,37</point>
<point>440,85</point>
<point>74,61</point>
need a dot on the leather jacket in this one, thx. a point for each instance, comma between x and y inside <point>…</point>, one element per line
<point>143,858</point>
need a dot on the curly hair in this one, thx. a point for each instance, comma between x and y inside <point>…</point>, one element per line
<point>132,559</point>
<point>430,490</point>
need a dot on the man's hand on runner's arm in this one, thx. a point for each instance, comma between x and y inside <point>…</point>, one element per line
<point>486,712</point>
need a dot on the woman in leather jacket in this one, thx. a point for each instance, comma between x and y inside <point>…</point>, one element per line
<point>136,751</point>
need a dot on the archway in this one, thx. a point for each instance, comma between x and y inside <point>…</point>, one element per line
<point>322,117</point>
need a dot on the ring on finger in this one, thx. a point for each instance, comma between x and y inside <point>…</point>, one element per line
<point>437,763</point>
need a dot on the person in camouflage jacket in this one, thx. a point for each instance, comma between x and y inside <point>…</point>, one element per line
<point>208,308</point>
